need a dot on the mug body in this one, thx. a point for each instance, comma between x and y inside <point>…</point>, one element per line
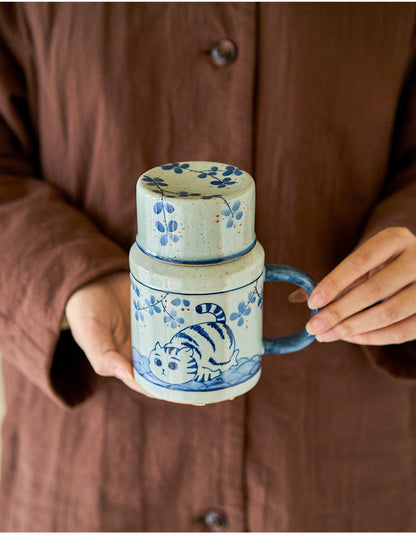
<point>197,329</point>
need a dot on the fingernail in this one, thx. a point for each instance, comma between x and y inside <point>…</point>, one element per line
<point>327,336</point>
<point>316,300</point>
<point>316,325</point>
<point>122,374</point>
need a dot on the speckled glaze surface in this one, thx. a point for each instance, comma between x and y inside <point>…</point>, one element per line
<point>197,277</point>
<point>195,212</point>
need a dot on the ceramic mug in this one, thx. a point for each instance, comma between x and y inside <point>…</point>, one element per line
<point>197,274</point>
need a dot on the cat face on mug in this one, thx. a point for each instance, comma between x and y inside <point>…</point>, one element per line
<point>171,364</point>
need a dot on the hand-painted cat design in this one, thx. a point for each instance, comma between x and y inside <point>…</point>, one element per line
<point>198,352</point>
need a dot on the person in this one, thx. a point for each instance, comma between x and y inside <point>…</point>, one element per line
<point>317,101</point>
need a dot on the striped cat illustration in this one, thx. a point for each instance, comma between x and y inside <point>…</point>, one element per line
<point>198,352</point>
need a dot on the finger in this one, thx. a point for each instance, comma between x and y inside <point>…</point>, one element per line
<point>383,284</point>
<point>298,296</point>
<point>106,360</point>
<point>397,308</point>
<point>130,382</point>
<point>394,334</point>
<point>377,250</point>
<point>109,362</point>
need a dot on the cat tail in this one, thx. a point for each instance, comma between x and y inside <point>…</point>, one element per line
<point>209,307</point>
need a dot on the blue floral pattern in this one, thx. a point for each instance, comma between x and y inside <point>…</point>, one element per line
<point>255,298</point>
<point>151,305</point>
<point>232,212</point>
<point>177,167</point>
<point>166,224</point>
<point>174,308</point>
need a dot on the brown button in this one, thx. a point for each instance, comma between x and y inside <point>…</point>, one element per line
<point>216,520</point>
<point>223,53</point>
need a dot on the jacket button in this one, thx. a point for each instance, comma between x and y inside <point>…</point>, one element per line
<point>223,53</point>
<point>216,520</point>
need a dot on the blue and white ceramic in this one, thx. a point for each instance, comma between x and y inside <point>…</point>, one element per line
<point>197,275</point>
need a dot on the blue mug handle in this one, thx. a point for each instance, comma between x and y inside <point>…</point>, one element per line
<point>295,342</point>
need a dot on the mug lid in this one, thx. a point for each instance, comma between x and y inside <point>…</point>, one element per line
<point>195,212</point>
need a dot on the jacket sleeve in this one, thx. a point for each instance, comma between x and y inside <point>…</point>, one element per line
<point>48,249</point>
<point>397,207</point>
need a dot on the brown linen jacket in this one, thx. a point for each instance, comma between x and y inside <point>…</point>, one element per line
<point>320,106</point>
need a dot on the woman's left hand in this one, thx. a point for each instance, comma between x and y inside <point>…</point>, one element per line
<point>370,297</point>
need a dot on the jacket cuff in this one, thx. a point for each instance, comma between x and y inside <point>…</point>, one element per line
<point>36,344</point>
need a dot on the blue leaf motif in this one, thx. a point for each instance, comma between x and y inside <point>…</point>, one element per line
<point>175,238</point>
<point>186,302</point>
<point>160,227</point>
<point>157,309</point>
<point>234,316</point>
<point>164,240</point>
<point>247,311</point>
<point>158,207</point>
<point>240,321</point>
<point>172,225</point>
<point>239,215</point>
<point>241,307</point>
<point>180,320</point>
<point>166,319</point>
<point>173,323</point>
<point>175,301</point>
<point>226,211</point>
<point>169,207</point>
<point>236,205</point>
<point>230,222</point>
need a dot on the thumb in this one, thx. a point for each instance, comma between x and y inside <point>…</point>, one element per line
<point>100,349</point>
<point>98,344</point>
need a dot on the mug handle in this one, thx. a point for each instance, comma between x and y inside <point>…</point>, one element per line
<point>295,342</point>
